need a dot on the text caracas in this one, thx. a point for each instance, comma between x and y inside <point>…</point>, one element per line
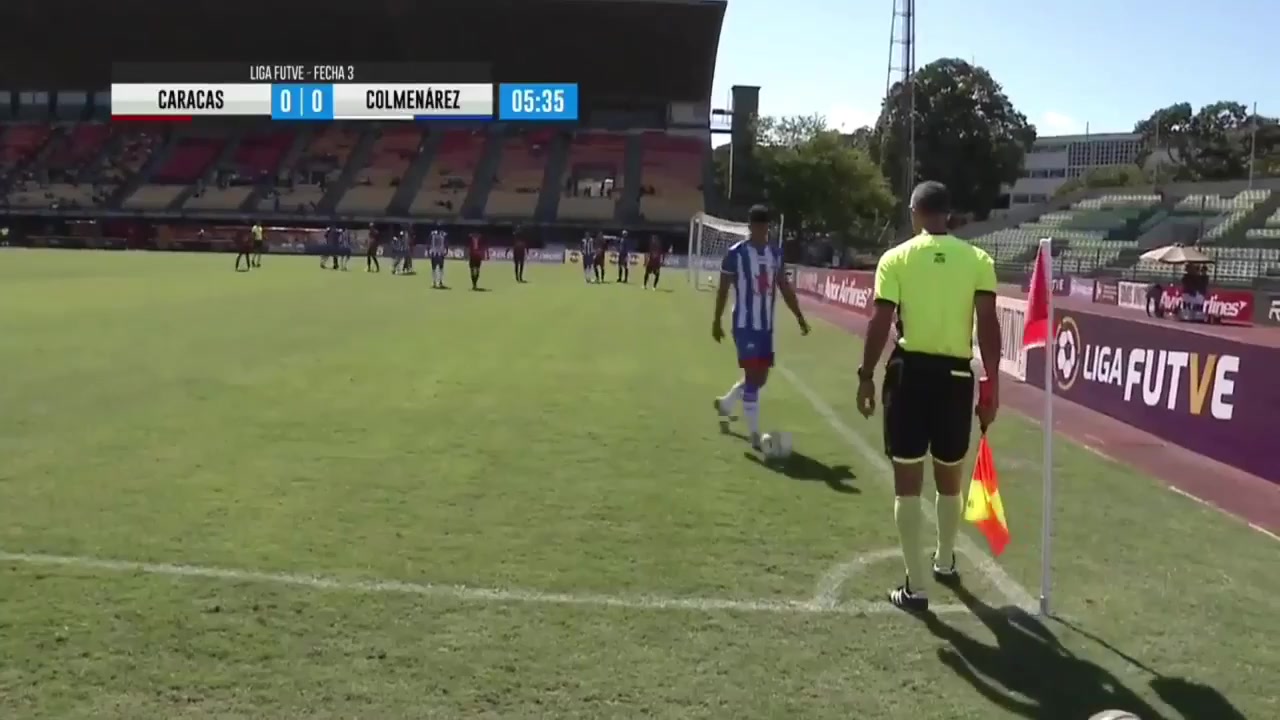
<point>1160,377</point>
<point>208,99</point>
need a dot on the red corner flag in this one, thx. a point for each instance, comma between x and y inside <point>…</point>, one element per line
<point>983,507</point>
<point>1035,333</point>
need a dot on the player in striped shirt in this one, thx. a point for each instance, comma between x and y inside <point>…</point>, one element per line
<point>400,253</point>
<point>437,251</point>
<point>588,257</point>
<point>753,270</point>
<point>344,248</point>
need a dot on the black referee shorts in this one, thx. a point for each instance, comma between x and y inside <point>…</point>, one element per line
<point>928,407</point>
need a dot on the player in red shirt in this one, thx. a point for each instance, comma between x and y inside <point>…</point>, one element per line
<point>518,250</point>
<point>476,252</point>
<point>653,262</point>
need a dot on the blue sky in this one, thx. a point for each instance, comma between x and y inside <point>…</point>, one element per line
<point>1107,63</point>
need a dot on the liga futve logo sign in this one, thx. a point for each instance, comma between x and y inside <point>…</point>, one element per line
<point>1067,346</point>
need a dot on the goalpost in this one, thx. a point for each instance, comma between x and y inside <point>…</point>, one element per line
<point>710,238</point>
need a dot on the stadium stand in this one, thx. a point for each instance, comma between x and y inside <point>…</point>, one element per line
<point>672,176</point>
<point>521,170</point>
<point>319,165</point>
<point>255,158</point>
<point>191,156</point>
<point>390,157</point>
<point>452,170</point>
<point>592,182</point>
<point>20,143</point>
<point>62,178</point>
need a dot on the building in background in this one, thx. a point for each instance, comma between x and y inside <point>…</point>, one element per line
<point>1053,160</point>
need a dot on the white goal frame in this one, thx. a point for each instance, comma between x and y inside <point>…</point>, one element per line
<point>709,240</point>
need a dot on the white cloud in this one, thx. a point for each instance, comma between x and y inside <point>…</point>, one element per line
<point>847,118</point>
<point>1056,123</point>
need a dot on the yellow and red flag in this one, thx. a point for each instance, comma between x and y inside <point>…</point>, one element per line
<point>983,508</point>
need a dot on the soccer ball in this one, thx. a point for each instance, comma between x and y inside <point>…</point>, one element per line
<point>776,445</point>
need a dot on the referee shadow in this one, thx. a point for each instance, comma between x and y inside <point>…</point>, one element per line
<point>799,466</point>
<point>1030,673</point>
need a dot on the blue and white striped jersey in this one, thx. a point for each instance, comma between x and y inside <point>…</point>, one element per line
<point>588,245</point>
<point>753,272</point>
<point>438,244</point>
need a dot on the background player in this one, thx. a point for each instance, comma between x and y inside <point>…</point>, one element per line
<point>624,259</point>
<point>753,268</point>
<point>588,255</point>
<point>653,263</point>
<point>344,247</point>
<point>410,240</point>
<point>259,245</point>
<point>371,250</point>
<point>601,250</point>
<point>244,250</point>
<point>331,241</point>
<point>476,252</point>
<point>518,251</point>
<point>438,250</point>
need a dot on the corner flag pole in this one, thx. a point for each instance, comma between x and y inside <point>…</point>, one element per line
<point>1046,521</point>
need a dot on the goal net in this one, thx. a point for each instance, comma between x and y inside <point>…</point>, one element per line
<point>710,238</point>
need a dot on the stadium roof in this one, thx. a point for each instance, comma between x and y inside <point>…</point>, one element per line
<point>616,48</point>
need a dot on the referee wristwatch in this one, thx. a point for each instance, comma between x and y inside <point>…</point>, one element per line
<point>865,375</point>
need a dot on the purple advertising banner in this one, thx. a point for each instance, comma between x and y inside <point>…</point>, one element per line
<point>1106,292</point>
<point>1213,396</point>
<point>1061,285</point>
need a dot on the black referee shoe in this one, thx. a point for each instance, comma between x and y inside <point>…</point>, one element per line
<point>903,597</point>
<point>948,576</point>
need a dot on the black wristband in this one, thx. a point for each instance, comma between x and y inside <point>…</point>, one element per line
<point>866,375</point>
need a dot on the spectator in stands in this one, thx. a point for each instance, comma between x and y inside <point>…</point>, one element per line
<point>1154,292</point>
<point>1195,283</point>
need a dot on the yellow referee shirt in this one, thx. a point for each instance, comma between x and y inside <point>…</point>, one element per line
<point>932,280</point>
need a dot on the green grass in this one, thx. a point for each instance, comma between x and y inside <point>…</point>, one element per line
<point>547,438</point>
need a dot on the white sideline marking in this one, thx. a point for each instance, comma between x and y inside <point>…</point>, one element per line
<point>1233,516</point>
<point>1012,590</point>
<point>823,602</point>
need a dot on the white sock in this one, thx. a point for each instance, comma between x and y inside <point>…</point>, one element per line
<point>751,411</point>
<point>730,399</point>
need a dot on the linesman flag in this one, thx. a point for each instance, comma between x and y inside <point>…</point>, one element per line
<point>983,508</point>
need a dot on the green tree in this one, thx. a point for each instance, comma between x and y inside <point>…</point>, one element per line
<point>968,134</point>
<point>1213,143</point>
<point>818,180</point>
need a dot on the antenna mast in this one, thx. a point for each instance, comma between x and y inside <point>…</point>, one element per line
<point>902,43</point>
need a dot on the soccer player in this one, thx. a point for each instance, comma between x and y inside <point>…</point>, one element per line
<point>406,267</point>
<point>936,284</point>
<point>371,250</point>
<point>518,250</point>
<point>753,268</point>
<point>653,263</point>
<point>331,243</point>
<point>344,247</point>
<point>475,252</point>
<point>588,255</point>
<point>399,251</point>
<point>438,250</point>
<point>259,245</point>
<point>244,250</point>
<point>624,259</point>
<point>601,249</point>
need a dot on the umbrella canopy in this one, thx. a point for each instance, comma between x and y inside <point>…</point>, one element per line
<point>1176,255</point>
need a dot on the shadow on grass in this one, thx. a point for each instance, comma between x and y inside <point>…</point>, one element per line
<point>1029,672</point>
<point>799,466</point>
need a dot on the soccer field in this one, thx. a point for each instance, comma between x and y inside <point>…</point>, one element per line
<point>303,494</point>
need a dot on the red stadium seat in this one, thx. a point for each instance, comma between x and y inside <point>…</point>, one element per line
<point>519,176</point>
<point>592,182</point>
<point>452,170</point>
<point>376,184</point>
<point>671,174</point>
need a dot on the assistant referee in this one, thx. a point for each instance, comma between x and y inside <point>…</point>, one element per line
<point>935,283</point>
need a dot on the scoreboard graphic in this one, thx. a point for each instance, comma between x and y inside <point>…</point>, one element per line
<point>317,92</point>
